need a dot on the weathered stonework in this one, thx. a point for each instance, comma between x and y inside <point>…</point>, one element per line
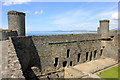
<point>16,21</point>
<point>33,57</point>
<point>5,33</point>
<point>14,66</point>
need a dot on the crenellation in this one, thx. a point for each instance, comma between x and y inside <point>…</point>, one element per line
<point>15,13</point>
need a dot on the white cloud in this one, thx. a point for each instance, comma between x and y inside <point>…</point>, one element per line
<point>110,15</point>
<point>27,11</point>
<point>114,16</point>
<point>69,17</point>
<point>39,12</point>
<point>66,21</point>
<point>102,15</point>
<point>13,2</point>
<point>114,20</point>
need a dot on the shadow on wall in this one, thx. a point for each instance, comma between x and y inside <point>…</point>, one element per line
<point>28,56</point>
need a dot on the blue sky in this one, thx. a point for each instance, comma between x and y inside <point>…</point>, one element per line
<point>51,16</point>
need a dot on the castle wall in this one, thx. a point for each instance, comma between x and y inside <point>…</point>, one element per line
<point>50,54</point>
<point>27,54</point>
<point>50,47</point>
<point>47,56</point>
<point>57,47</point>
<point>5,34</point>
<point>112,48</point>
<point>14,65</point>
<point>3,58</point>
<point>10,66</point>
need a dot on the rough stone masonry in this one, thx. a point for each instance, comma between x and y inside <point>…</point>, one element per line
<point>35,57</point>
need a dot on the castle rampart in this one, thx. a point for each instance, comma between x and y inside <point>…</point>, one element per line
<point>33,57</point>
<point>59,51</point>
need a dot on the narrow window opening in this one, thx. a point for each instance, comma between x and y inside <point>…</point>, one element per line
<point>86,56</point>
<point>70,63</point>
<point>90,56</point>
<point>103,46</point>
<point>95,52</point>
<point>101,52</point>
<point>68,53</point>
<point>64,63</point>
<point>56,62</point>
<point>78,59</point>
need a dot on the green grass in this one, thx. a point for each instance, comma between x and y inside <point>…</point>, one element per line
<point>111,73</point>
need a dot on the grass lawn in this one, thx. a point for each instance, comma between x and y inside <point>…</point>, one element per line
<point>110,73</point>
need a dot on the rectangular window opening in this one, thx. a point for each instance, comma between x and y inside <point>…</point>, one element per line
<point>68,53</point>
<point>71,63</point>
<point>56,62</point>
<point>78,59</point>
<point>90,56</point>
<point>87,56</point>
<point>64,63</point>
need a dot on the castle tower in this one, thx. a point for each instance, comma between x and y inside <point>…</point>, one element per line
<point>16,21</point>
<point>104,26</point>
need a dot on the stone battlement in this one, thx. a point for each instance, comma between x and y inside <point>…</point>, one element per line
<point>104,20</point>
<point>15,13</point>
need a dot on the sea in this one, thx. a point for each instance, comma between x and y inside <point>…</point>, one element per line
<point>33,33</point>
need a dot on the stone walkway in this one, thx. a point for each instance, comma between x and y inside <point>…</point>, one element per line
<point>88,68</point>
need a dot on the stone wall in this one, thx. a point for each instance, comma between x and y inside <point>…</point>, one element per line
<point>46,56</point>
<point>28,56</point>
<point>111,46</point>
<point>5,34</point>
<point>10,64</point>
<point>3,58</point>
<point>62,50</point>
<point>16,21</point>
<point>14,66</point>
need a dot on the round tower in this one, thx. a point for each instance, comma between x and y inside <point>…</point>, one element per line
<point>104,26</point>
<point>16,21</point>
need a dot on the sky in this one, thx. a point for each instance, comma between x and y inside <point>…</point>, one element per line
<point>52,16</point>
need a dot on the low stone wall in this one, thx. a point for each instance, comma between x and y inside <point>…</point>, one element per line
<point>5,34</point>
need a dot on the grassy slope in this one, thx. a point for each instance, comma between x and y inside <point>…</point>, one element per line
<point>111,72</point>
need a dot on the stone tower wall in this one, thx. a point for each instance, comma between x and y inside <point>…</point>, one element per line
<point>16,21</point>
<point>104,26</point>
